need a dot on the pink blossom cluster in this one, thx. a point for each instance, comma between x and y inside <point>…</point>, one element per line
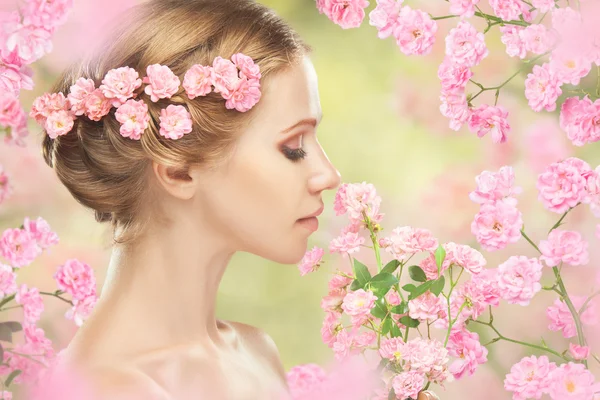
<point>533,377</point>
<point>358,200</point>
<point>519,279</point>
<point>498,221</point>
<point>237,80</point>
<point>469,353</point>
<point>311,261</point>
<point>407,241</point>
<point>564,184</point>
<point>562,246</point>
<point>562,320</point>
<point>332,305</point>
<point>77,280</point>
<point>579,119</point>
<point>21,246</point>
<point>25,37</point>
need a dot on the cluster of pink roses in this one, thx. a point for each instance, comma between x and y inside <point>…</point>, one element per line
<point>571,41</point>
<point>24,362</point>
<point>237,80</point>
<point>25,36</point>
<point>381,312</point>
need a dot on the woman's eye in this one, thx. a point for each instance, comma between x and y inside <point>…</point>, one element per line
<point>294,155</point>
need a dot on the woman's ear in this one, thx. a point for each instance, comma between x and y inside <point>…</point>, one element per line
<point>179,182</point>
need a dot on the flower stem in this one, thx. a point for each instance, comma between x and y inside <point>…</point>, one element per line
<point>534,346</point>
<point>57,295</point>
<point>530,241</point>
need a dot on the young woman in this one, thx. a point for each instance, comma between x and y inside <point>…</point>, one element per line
<point>193,131</point>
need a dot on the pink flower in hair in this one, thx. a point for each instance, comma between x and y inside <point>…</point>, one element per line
<point>59,123</point>
<point>46,104</point>
<point>542,88</point>
<point>246,65</point>
<point>162,82</point>
<point>78,94</point>
<point>224,76</point>
<point>485,119</point>
<point>415,32</point>
<point>198,81</point>
<point>134,118</point>
<point>120,84</point>
<point>244,96</point>
<point>11,112</point>
<point>97,105</point>
<point>175,121</point>
<point>311,262</point>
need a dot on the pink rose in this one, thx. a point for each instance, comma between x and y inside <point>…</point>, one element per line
<point>97,105</point>
<point>529,378</point>
<point>515,46</point>
<point>564,246</point>
<point>11,113</point>
<point>198,81</point>
<point>485,119</point>
<point>465,45</point>
<point>311,261</point>
<point>175,121</point>
<point>358,306</point>
<point>29,43</point>
<point>542,88</point>
<point>120,84</point>
<point>224,76</point>
<point>59,123</point>
<point>345,13</point>
<point>470,353</point>
<point>562,185</point>
<point>415,32</point>
<point>78,94</point>
<point>19,247</point>
<point>8,281</point>
<point>519,279</point>
<point>384,17</point>
<point>162,82</point>
<point>331,325</point>
<point>41,232</point>
<point>46,104</point>
<point>572,381</point>
<point>76,278</point>
<point>248,68</point>
<point>464,8</point>
<point>244,95</point>
<point>453,76</point>
<point>408,384</point>
<point>561,318</point>
<point>579,352</point>
<point>349,242</point>
<point>497,224</point>
<point>32,302</point>
<point>426,307</point>
<point>134,118</point>
<point>493,186</point>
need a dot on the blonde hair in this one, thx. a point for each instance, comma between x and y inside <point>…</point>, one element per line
<point>108,173</point>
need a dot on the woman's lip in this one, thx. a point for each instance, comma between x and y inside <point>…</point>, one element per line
<point>311,223</point>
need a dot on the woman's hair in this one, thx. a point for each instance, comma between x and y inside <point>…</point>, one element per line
<point>108,172</point>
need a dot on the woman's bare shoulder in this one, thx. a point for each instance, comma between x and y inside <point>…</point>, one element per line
<point>123,383</point>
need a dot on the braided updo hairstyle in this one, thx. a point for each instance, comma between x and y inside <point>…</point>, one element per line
<point>107,172</point>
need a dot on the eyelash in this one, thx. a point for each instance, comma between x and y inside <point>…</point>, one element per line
<point>294,155</point>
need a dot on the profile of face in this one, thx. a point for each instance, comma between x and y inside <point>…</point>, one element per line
<point>275,175</point>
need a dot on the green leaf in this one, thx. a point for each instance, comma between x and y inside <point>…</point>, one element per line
<point>417,274</point>
<point>356,285</point>
<point>380,310</point>
<point>392,394</point>
<point>408,321</point>
<point>396,332</point>
<point>401,308</point>
<point>5,333</point>
<point>362,273</point>
<point>14,326</point>
<point>440,255</point>
<point>409,288</point>
<point>438,285</point>
<point>381,283</point>
<point>386,326</point>
<point>420,290</point>
<point>391,267</point>
<point>12,376</point>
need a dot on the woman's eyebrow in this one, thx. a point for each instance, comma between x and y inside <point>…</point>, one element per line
<point>306,121</point>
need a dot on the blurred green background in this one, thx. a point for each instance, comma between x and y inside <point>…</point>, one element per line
<point>381,125</point>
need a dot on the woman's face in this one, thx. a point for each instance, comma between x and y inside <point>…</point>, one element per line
<point>256,199</point>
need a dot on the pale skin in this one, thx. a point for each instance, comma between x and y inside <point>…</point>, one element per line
<point>154,330</point>
<point>153,334</point>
